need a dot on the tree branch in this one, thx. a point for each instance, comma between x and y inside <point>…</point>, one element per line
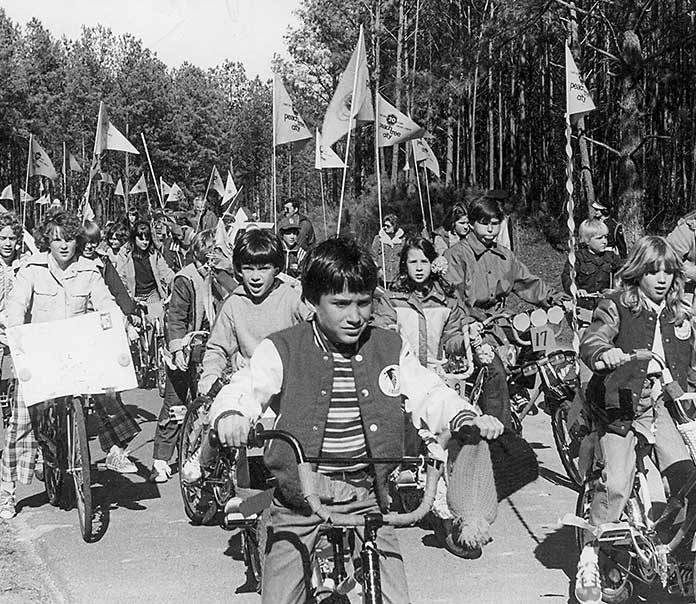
<point>598,143</point>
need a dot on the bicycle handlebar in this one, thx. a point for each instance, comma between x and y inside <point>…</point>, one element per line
<point>637,355</point>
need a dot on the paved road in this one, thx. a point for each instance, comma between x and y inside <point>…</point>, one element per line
<point>150,552</point>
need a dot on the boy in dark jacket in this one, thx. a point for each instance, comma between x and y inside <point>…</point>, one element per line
<point>337,384</point>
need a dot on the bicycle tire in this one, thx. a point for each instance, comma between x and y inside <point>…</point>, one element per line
<point>199,504</point>
<point>51,432</point>
<point>253,544</point>
<point>564,442</point>
<point>137,357</point>
<point>80,467</point>
<point>161,370</point>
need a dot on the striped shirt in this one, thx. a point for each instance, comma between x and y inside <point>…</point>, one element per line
<point>343,435</point>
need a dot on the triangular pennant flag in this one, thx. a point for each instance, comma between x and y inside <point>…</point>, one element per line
<point>578,99</point>
<point>230,189</point>
<point>7,193</point>
<point>119,189</point>
<point>325,156</point>
<point>164,188</point>
<point>288,126</point>
<point>24,196</point>
<point>221,240</point>
<point>140,186</point>
<point>109,137</point>
<point>175,193</point>
<point>424,155</point>
<point>106,179</point>
<point>39,163</point>
<point>216,182</point>
<point>239,223</point>
<point>339,118</point>
<point>73,163</point>
<point>45,199</point>
<point>85,212</point>
<point>394,126</point>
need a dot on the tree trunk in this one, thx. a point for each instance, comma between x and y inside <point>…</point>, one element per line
<point>397,89</point>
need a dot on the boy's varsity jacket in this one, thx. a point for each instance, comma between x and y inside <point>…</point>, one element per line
<point>616,394</point>
<point>291,365</point>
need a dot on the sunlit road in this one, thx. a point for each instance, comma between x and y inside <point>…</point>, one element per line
<point>150,553</point>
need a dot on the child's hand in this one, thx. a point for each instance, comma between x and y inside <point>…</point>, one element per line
<point>180,360</point>
<point>614,358</point>
<point>233,430</point>
<point>490,427</point>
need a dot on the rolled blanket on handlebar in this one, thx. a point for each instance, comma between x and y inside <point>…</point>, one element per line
<point>484,472</point>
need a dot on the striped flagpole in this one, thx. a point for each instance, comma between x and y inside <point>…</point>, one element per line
<point>571,236</point>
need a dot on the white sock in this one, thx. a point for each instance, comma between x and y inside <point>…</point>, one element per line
<point>116,450</point>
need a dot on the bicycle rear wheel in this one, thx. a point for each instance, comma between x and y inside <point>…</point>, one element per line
<point>51,436</point>
<point>80,469</point>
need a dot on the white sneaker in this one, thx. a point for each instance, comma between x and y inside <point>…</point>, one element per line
<point>118,461</point>
<point>161,472</point>
<point>191,473</point>
<point>7,505</point>
<point>588,584</point>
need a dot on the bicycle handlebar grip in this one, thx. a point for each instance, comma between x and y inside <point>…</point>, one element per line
<point>214,438</point>
<point>637,355</point>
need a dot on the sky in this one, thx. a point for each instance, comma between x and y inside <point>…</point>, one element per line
<point>202,32</point>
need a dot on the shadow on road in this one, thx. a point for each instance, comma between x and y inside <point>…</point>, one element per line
<point>117,490</point>
<point>557,551</point>
<point>558,479</point>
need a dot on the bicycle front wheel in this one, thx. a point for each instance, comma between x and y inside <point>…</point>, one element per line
<point>566,445</point>
<point>80,467</point>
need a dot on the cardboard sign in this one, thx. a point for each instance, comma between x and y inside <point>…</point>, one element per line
<point>88,354</point>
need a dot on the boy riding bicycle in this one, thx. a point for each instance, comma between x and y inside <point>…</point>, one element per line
<point>336,383</point>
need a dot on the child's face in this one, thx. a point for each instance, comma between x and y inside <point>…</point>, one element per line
<point>290,237</point>
<point>8,243</point>
<point>656,285</point>
<point>343,317</point>
<point>417,266</point>
<point>462,227</point>
<point>598,243</point>
<point>62,250</point>
<point>487,232</point>
<point>257,279</point>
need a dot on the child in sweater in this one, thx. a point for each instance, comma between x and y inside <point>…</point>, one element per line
<point>336,384</point>
<point>645,312</point>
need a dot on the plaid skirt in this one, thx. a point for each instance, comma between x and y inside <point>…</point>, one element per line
<point>116,426</point>
<point>19,453</point>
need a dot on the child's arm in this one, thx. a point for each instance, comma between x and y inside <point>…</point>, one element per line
<point>20,297</point>
<point>221,347</point>
<point>178,314</point>
<point>600,335</point>
<point>455,330</point>
<point>100,295</point>
<point>247,396</point>
<point>527,286</point>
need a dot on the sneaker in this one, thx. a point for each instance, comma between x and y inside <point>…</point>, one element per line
<point>588,585</point>
<point>118,461</point>
<point>161,472</point>
<point>7,505</point>
<point>39,465</point>
<point>191,473</point>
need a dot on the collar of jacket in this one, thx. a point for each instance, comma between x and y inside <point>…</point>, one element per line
<point>397,239</point>
<point>479,248</point>
<point>435,293</point>
<point>82,264</point>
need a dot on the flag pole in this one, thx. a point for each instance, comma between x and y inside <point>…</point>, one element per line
<point>147,196</point>
<point>427,191</point>
<point>26,185</point>
<point>152,171</point>
<point>231,203</point>
<point>323,202</point>
<point>274,213</point>
<point>350,120</point>
<point>65,177</point>
<point>420,193</point>
<point>379,186</point>
<point>207,187</point>
<point>126,189</point>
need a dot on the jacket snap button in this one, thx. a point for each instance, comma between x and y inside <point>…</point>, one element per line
<point>358,358</point>
<point>326,357</point>
<point>315,428</point>
<point>373,427</point>
<point>323,392</point>
<point>364,392</point>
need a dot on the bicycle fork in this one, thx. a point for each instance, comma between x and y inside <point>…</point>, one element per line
<point>369,556</point>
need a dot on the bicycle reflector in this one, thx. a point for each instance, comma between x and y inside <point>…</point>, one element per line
<point>521,322</point>
<point>556,315</point>
<point>538,317</point>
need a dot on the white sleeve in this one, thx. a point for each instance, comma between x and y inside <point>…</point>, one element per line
<point>251,388</point>
<point>431,403</point>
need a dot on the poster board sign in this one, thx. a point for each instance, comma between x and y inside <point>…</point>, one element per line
<point>88,354</point>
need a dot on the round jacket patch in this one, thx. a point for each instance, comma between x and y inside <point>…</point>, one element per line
<point>683,331</point>
<point>389,382</point>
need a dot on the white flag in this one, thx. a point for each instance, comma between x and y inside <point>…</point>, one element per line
<point>74,164</point>
<point>424,155</point>
<point>339,118</point>
<point>39,162</point>
<point>216,182</point>
<point>230,189</point>
<point>140,186</point>
<point>288,126</point>
<point>175,193</point>
<point>394,126</point>
<point>325,156</point>
<point>7,193</point>
<point>109,137</point>
<point>578,99</point>
<point>119,189</point>
<point>164,188</point>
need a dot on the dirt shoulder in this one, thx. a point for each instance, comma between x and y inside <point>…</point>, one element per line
<point>23,577</point>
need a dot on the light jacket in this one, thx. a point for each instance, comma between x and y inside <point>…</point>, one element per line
<point>191,303</point>
<point>160,269</point>
<point>41,294</point>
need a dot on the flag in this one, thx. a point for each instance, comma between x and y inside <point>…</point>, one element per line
<point>288,126</point>
<point>85,212</point>
<point>221,240</point>
<point>119,189</point>
<point>578,100</point>
<point>140,186</point>
<point>7,193</point>
<point>424,155</point>
<point>106,179</point>
<point>325,156</point>
<point>108,136</point>
<point>394,127</point>
<point>338,116</point>
<point>239,224</point>
<point>216,182</point>
<point>175,193</point>
<point>73,163</point>
<point>164,187</point>
<point>45,199</point>
<point>39,162</point>
<point>230,189</point>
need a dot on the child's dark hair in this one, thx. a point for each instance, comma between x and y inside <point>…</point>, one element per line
<point>202,244</point>
<point>257,246</point>
<point>141,226</point>
<point>453,215</point>
<point>484,210</point>
<point>92,231</point>
<point>404,282</point>
<point>66,223</point>
<point>336,265</point>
